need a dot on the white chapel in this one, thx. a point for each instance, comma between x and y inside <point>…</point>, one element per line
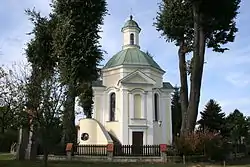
<point>132,104</point>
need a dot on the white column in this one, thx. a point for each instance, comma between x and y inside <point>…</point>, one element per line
<point>144,107</point>
<point>163,116</point>
<point>103,110</point>
<point>125,117</point>
<point>131,105</point>
<point>166,118</point>
<point>150,130</point>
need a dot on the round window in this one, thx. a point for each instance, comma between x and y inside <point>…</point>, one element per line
<point>85,136</point>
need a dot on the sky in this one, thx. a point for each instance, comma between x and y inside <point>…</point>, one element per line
<point>226,76</point>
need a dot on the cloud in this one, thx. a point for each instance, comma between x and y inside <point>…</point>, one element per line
<point>242,104</point>
<point>238,79</point>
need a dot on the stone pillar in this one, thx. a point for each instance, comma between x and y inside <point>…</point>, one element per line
<point>110,151</point>
<point>69,149</point>
<point>163,150</point>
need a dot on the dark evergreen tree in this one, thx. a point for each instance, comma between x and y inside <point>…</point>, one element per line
<point>212,118</point>
<point>176,112</point>
<point>237,125</point>
<point>77,46</point>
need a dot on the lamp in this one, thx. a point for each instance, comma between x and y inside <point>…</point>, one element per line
<point>159,123</point>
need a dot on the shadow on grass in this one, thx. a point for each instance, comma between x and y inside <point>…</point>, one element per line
<point>6,160</point>
<point>13,163</point>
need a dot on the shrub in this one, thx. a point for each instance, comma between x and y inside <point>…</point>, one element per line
<point>7,139</point>
<point>211,144</point>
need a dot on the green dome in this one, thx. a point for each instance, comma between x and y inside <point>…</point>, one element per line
<point>131,24</point>
<point>131,56</point>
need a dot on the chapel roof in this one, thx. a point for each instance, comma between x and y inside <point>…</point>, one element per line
<point>132,56</point>
<point>131,24</point>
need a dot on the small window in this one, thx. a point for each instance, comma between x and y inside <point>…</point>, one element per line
<point>156,106</point>
<point>132,39</point>
<point>85,136</point>
<point>112,107</point>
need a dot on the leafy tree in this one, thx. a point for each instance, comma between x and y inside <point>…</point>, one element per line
<point>212,118</point>
<point>12,98</point>
<point>178,29</point>
<point>238,126</point>
<point>46,118</point>
<point>176,112</point>
<point>40,55</point>
<point>194,25</point>
<point>12,83</point>
<point>76,44</point>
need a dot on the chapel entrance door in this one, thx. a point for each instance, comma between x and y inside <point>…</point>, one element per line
<point>137,143</point>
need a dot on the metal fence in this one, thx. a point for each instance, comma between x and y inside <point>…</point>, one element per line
<point>133,150</point>
<point>92,150</point>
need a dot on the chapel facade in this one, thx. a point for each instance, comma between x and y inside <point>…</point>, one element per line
<point>131,101</point>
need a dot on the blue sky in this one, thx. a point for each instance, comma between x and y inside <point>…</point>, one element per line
<point>226,76</point>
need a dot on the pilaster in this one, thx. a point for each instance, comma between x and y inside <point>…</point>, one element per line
<point>125,116</point>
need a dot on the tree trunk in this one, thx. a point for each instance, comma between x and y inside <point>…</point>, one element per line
<point>184,85</point>
<point>45,155</point>
<point>197,70</point>
<point>2,129</point>
<point>69,129</point>
<point>34,145</point>
<point>22,143</point>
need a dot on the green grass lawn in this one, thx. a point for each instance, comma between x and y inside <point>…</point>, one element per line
<point>6,156</point>
<point>7,160</point>
<point>6,163</point>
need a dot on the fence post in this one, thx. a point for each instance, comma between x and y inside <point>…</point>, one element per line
<point>69,149</point>
<point>110,151</point>
<point>163,150</point>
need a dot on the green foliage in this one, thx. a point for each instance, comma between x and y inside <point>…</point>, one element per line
<point>76,44</point>
<point>212,118</point>
<point>77,38</point>
<point>39,49</point>
<point>176,112</point>
<point>41,105</point>
<point>85,99</point>
<point>7,139</point>
<point>219,24</point>
<point>237,125</point>
<point>175,21</point>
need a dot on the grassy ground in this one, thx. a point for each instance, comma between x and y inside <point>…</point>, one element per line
<point>6,156</point>
<point>77,164</point>
<point>6,160</point>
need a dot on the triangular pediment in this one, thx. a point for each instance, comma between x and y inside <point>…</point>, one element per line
<point>137,77</point>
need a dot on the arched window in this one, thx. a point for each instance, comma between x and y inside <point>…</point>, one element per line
<point>132,39</point>
<point>112,107</point>
<point>156,106</point>
<point>137,106</point>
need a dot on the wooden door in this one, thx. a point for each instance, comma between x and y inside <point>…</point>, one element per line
<point>137,143</point>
